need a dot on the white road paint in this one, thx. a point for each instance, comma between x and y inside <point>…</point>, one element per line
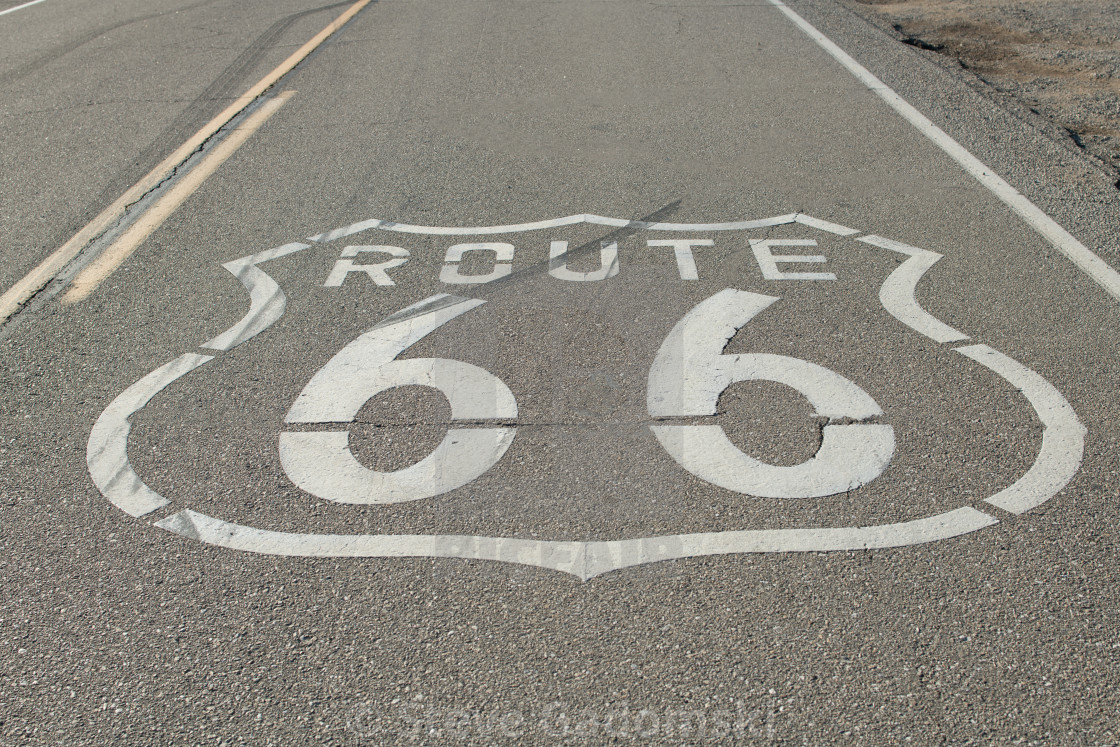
<point>107,448</point>
<point>897,292</point>
<point>585,560</point>
<point>824,225</point>
<point>571,220</point>
<point>1063,440</point>
<point>682,250</point>
<point>321,462</point>
<point>1089,263</point>
<point>366,367</point>
<point>20,7</point>
<point>104,264</point>
<point>558,263</point>
<point>849,457</point>
<point>686,379</point>
<point>503,256</point>
<point>690,373</point>
<point>377,271</point>
<point>768,262</point>
<point>267,301</point>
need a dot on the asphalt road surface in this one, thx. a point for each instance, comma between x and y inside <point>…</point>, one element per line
<point>546,373</point>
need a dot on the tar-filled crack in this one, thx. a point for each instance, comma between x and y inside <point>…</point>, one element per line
<point>218,91</point>
<point>914,41</point>
<point>130,213</point>
<point>823,422</point>
<point>873,420</point>
<point>820,421</point>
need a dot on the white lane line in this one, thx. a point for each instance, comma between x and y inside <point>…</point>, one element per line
<point>581,559</point>
<point>897,291</point>
<point>109,260</point>
<point>1089,263</point>
<point>267,301</point>
<point>1063,440</point>
<point>107,449</point>
<point>20,7</point>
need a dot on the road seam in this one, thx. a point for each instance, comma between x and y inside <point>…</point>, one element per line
<point>23,291</point>
<point>122,248</point>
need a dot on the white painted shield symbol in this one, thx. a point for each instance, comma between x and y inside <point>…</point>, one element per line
<point>686,378</point>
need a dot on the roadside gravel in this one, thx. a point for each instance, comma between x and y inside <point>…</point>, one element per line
<point>1060,59</point>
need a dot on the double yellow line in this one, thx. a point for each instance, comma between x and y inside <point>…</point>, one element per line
<point>108,261</point>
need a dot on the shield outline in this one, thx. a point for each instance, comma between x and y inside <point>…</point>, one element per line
<point>1058,460</point>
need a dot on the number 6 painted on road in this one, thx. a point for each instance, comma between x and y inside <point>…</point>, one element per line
<point>690,373</point>
<point>321,463</point>
<point>688,376</point>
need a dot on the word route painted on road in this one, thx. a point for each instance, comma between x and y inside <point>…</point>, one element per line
<point>772,266</point>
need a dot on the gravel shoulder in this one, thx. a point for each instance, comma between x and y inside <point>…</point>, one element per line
<point>1060,60</point>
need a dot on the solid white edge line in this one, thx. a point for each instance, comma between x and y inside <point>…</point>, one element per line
<point>1089,263</point>
<point>20,7</point>
<point>1063,440</point>
<point>584,560</point>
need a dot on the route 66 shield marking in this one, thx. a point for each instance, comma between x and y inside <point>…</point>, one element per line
<point>687,375</point>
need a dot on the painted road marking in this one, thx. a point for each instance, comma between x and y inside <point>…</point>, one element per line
<point>768,262</point>
<point>695,359</point>
<point>20,293</point>
<point>682,252</point>
<point>897,293</point>
<point>503,257</point>
<point>1063,440</point>
<point>585,560</point>
<point>572,220</point>
<point>1087,261</point>
<point>20,7</point>
<point>690,373</point>
<point>321,462</point>
<point>152,218</point>
<point>267,301</point>
<point>377,272</point>
<point>558,263</point>
<point>107,448</point>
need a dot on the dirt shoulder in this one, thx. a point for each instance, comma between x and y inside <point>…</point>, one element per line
<point>1061,58</point>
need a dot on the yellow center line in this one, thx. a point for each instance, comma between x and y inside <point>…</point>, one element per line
<point>30,284</point>
<point>120,250</point>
